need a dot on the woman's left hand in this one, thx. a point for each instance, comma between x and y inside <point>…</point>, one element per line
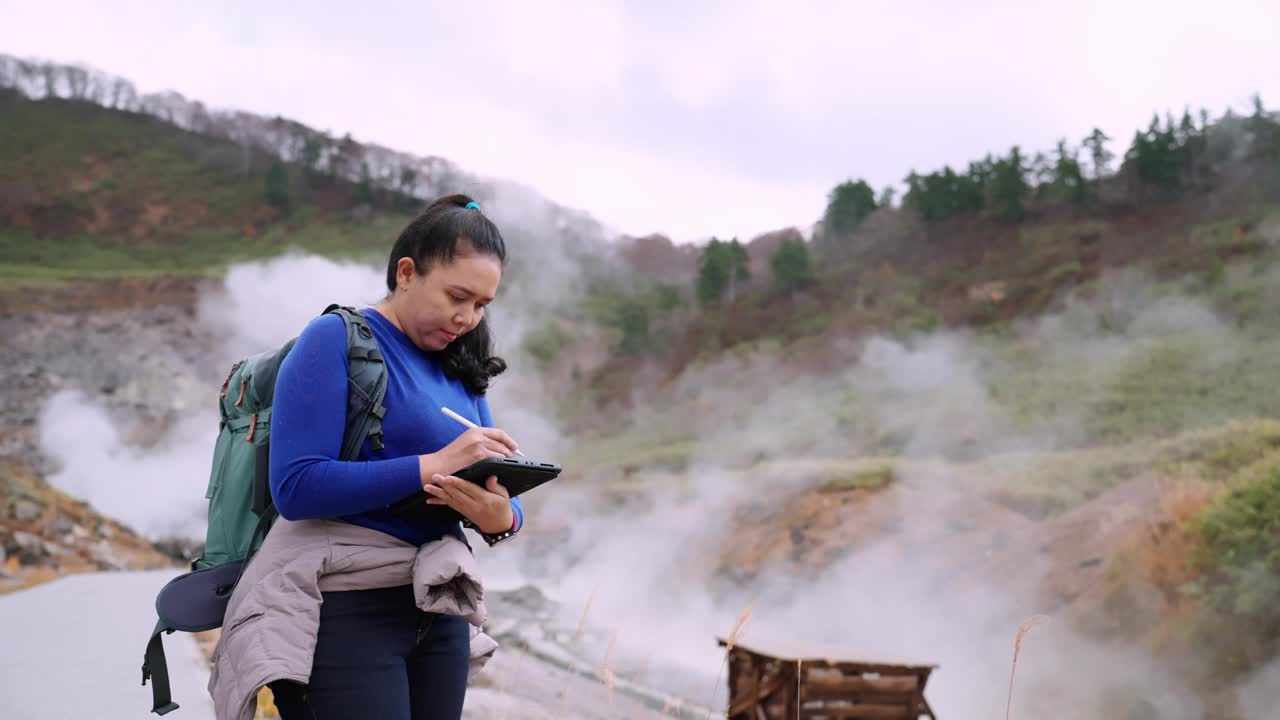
<point>488,507</point>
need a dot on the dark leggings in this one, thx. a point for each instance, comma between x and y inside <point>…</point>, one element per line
<point>379,656</point>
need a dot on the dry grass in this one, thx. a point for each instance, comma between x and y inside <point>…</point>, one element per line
<point>577,635</point>
<point>1169,547</point>
<point>1148,589</point>
<point>606,670</point>
<point>1023,629</point>
<point>739,627</point>
<point>27,578</point>
<point>582,621</point>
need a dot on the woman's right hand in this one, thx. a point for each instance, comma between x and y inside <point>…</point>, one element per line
<point>472,446</point>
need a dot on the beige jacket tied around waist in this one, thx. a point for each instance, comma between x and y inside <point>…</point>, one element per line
<point>272,620</point>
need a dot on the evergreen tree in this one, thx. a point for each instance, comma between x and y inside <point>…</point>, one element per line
<point>1221,139</point>
<point>362,193</point>
<point>914,200</point>
<point>1265,144</point>
<point>633,321</point>
<point>1156,155</point>
<point>713,272</point>
<point>790,265</point>
<point>1009,187</point>
<point>966,195</point>
<point>940,195</point>
<point>979,179</point>
<point>1068,182</point>
<point>1186,128</point>
<point>1139,152</point>
<point>722,267</point>
<point>1173,154</point>
<point>739,266</point>
<point>912,181</point>
<point>848,204</point>
<point>1099,156</point>
<point>1195,167</point>
<point>1041,174</point>
<point>887,196</point>
<point>277,187</point>
<point>667,298</point>
<point>310,155</point>
<point>1264,133</point>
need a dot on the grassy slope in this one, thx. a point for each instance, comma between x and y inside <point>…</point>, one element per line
<point>87,192</point>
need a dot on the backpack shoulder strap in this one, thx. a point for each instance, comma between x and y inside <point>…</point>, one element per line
<point>367,384</point>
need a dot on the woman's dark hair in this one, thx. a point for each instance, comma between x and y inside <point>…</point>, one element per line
<point>434,236</point>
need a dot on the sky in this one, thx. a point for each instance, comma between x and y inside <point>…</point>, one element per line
<point>692,119</point>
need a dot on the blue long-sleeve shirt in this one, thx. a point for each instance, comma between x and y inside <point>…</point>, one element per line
<point>309,416</point>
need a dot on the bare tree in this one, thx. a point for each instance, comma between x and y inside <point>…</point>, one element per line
<point>50,81</point>
<point>123,96</point>
<point>77,82</point>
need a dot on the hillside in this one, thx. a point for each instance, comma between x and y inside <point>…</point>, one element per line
<point>898,275</point>
<point>88,192</point>
<point>100,182</point>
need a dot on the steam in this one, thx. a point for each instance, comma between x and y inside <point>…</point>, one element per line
<point>153,476</point>
<point>1257,697</point>
<point>157,492</point>
<point>262,305</point>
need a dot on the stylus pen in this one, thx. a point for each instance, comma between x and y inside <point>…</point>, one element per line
<point>466,422</point>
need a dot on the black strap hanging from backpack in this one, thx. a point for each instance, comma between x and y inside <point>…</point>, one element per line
<point>156,669</point>
<point>193,602</point>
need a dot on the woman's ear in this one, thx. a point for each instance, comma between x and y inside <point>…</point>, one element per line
<point>406,270</point>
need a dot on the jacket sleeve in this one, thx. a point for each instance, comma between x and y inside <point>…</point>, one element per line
<point>308,480</point>
<point>486,420</point>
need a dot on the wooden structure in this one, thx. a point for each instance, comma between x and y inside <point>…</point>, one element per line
<point>764,687</point>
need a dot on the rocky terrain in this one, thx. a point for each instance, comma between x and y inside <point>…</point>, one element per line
<point>135,363</point>
<point>46,534</point>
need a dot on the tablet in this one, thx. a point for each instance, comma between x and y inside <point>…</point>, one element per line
<point>517,475</point>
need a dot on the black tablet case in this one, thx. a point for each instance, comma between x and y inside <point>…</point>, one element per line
<point>516,475</point>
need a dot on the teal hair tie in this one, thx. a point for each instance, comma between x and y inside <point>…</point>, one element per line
<point>473,206</point>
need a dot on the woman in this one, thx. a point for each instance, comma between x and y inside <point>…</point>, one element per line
<point>376,653</point>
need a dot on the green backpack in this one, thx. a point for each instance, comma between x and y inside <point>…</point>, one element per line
<point>240,507</point>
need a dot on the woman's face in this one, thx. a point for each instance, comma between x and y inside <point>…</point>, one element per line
<point>448,301</point>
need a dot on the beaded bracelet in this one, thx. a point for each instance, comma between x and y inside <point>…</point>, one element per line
<point>494,538</point>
